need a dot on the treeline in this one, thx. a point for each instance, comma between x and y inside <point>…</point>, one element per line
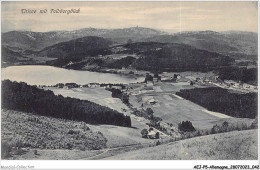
<point>23,97</point>
<point>218,128</point>
<point>239,74</point>
<point>221,100</point>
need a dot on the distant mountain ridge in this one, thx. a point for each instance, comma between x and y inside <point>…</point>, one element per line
<point>229,43</point>
<point>27,40</point>
<point>76,45</point>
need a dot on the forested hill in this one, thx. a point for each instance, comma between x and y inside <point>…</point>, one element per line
<point>77,48</point>
<point>176,57</point>
<point>22,97</point>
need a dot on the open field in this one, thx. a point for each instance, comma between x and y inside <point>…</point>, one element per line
<point>116,136</point>
<point>174,109</point>
<point>97,95</point>
<point>120,136</point>
<point>236,145</point>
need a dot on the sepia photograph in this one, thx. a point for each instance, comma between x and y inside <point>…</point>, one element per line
<point>129,80</point>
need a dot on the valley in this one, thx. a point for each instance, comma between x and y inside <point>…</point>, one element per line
<point>134,93</point>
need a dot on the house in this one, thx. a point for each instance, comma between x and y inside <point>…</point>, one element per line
<point>155,79</point>
<point>164,78</point>
<point>151,134</point>
<point>183,79</point>
<point>93,84</point>
<point>71,85</point>
<point>70,63</point>
<point>146,88</point>
<point>117,87</point>
<point>59,85</point>
<point>152,101</point>
<point>149,83</point>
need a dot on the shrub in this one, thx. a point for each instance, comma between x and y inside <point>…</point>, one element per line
<point>215,129</point>
<point>69,146</point>
<point>198,133</point>
<point>71,132</point>
<point>144,133</point>
<point>35,152</point>
<point>225,126</point>
<point>5,150</point>
<point>186,126</point>
<point>254,124</point>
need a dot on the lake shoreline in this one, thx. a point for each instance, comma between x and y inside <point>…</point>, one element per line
<point>50,75</point>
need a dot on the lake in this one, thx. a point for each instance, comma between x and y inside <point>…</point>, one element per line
<point>48,75</point>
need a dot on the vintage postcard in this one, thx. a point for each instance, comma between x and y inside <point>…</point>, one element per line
<point>122,80</point>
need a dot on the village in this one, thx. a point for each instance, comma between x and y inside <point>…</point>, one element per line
<point>154,102</point>
<point>186,78</point>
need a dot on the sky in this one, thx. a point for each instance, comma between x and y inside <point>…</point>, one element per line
<point>166,16</point>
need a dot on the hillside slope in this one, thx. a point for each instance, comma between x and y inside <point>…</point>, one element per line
<point>25,130</point>
<point>10,56</point>
<point>236,145</point>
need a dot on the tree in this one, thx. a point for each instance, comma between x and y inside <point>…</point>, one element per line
<point>149,111</point>
<point>144,133</point>
<point>125,98</point>
<point>148,77</point>
<point>157,135</point>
